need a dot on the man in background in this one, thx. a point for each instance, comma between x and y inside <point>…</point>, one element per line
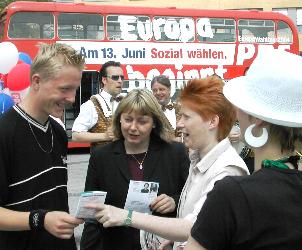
<point>93,123</point>
<point>161,88</point>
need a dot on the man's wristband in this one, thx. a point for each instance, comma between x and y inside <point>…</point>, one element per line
<point>128,220</point>
<point>36,219</point>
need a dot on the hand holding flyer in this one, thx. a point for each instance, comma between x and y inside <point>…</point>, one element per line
<point>140,195</point>
<point>87,198</point>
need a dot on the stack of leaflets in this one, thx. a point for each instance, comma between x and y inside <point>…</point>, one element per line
<point>86,198</point>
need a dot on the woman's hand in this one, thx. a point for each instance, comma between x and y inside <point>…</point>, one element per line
<point>163,204</point>
<point>166,244</point>
<point>109,216</point>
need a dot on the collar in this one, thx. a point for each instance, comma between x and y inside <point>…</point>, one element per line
<point>105,95</point>
<point>208,160</point>
<point>169,103</point>
<point>30,119</point>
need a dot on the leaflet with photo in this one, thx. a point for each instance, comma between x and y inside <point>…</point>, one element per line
<point>140,195</point>
<point>88,198</point>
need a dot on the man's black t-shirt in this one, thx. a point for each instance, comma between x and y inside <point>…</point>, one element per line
<point>31,178</point>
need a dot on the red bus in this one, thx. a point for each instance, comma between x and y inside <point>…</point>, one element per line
<point>180,43</point>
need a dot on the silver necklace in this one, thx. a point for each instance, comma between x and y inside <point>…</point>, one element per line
<point>45,151</point>
<point>140,163</point>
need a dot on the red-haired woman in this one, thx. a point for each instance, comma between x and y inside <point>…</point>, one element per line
<point>207,118</point>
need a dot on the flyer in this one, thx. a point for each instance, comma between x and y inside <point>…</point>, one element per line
<point>140,195</point>
<point>88,198</point>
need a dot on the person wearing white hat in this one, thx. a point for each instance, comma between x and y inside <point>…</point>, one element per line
<point>261,211</point>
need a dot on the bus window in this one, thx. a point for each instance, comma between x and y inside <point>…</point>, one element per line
<point>39,25</point>
<point>284,33</point>
<point>256,31</point>
<point>80,26</point>
<point>216,30</point>
<point>177,29</point>
<point>129,28</point>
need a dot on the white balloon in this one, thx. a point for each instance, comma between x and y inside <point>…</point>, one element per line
<point>8,57</point>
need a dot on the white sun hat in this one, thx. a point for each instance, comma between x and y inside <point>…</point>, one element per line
<point>272,88</point>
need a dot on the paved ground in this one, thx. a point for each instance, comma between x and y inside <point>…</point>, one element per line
<point>77,168</point>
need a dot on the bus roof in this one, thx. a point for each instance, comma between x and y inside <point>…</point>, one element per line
<point>112,9</point>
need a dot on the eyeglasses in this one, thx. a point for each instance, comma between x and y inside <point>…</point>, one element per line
<point>116,77</point>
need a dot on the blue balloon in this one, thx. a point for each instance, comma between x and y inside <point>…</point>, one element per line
<point>25,58</point>
<point>6,102</point>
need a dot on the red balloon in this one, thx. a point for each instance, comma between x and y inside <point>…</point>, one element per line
<point>18,78</point>
<point>20,61</point>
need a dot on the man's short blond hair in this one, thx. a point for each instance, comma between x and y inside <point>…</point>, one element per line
<point>52,58</point>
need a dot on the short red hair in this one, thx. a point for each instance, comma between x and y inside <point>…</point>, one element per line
<point>205,97</point>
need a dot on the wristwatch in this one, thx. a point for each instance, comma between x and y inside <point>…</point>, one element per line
<point>128,220</point>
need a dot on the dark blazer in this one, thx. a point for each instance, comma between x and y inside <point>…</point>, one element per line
<point>166,163</point>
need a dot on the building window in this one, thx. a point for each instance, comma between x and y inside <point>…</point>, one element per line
<point>299,20</point>
<point>281,10</point>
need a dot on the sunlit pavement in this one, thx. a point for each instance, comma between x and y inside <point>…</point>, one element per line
<point>77,169</point>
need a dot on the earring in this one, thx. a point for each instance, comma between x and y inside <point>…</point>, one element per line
<point>253,141</point>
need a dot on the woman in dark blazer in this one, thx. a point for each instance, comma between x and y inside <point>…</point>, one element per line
<point>144,151</point>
